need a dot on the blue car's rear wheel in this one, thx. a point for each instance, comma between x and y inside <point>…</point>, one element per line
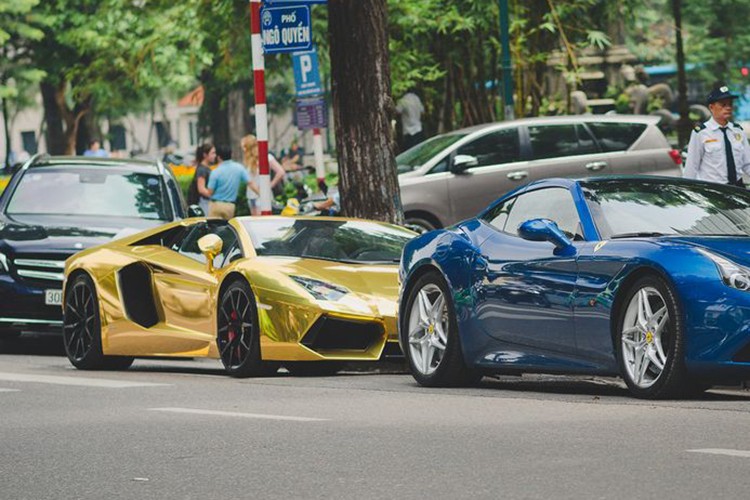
<point>82,331</point>
<point>650,342</point>
<point>238,334</point>
<point>429,335</point>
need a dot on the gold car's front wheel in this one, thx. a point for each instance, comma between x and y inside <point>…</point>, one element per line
<point>238,334</point>
<point>82,330</point>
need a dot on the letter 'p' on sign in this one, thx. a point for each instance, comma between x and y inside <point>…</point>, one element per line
<point>306,73</point>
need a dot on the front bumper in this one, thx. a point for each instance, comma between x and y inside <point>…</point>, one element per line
<point>22,305</point>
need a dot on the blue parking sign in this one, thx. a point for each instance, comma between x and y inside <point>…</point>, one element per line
<point>286,29</point>
<point>306,73</point>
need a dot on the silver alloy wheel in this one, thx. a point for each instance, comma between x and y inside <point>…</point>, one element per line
<point>428,327</point>
<point>643,330</point>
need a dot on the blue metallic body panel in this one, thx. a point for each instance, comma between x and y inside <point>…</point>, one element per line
<point>520,307</point>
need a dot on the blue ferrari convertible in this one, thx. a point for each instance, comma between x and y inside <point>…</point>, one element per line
<point>643,277</point>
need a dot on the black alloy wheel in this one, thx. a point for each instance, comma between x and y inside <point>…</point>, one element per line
<point>238,334</point>
<point>82,333</point>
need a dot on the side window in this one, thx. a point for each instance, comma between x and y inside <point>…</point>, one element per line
<point>176,195</point>
<point>551,203</point>
<point>555,141</point>
<point>230,247</point>
<point>495,148</point>
<point>441,166</point>
<point>614,136</point>
<point>586,143</point>
<point>499,215</point>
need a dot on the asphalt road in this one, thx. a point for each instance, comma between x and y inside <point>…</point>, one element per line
<point>167,429</point>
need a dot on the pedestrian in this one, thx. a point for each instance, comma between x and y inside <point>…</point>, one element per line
<point>292,158</point>
<point>96,150</point>
<point>718,150</point>
<point>205,157</point>
<point>410,108</point>
<point>249,145</point>
<point>224,184</point>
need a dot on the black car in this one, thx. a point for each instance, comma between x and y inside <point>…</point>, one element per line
<point>54,207</point>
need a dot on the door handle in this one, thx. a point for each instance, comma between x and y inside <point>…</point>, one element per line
<point>518,175</point>
<point>595,166</point>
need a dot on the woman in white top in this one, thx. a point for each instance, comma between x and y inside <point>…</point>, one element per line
<point>249,145</point>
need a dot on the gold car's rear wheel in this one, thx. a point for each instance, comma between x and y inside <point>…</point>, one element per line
<point>82,331</point>
<point>238,335</point>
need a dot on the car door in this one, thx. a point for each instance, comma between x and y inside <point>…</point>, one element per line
<point>528,290</point>
<point>186,289</point>
<point>498,169</point>
<point>563,150</point>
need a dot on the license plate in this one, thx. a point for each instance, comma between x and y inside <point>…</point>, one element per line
<point>53,297</point>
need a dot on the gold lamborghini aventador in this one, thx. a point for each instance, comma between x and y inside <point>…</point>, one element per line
<point>256,292</point>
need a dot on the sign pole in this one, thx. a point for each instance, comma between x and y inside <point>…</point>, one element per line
<point>318,150</point>
<point>261,110</point>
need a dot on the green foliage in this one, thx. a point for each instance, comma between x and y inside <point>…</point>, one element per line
<point>19,26</point>
<point>119,54</point>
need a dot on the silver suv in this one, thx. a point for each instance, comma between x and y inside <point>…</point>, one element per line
<point>452,177</point>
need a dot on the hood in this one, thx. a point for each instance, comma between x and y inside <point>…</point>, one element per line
<point>372,286</point>
<point>64,234</point>
<point>733,247</point>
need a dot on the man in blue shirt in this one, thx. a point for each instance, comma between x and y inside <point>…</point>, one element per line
<point>96,150</point>
<point>224,184</point>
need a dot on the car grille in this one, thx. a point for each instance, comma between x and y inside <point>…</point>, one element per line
<point>39,268</point>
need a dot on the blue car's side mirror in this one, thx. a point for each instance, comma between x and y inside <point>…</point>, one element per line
<point>546,230</point>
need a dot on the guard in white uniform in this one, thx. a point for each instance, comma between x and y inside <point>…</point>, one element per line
<point>718,150</point>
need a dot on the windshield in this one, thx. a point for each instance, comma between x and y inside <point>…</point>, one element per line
<point>420,154</point>
<point>345,241</point>
<point>102,191</point>
<point>638,207</point>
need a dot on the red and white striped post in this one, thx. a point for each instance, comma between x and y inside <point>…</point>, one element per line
<point>318,150</point>
<point>261,110</point>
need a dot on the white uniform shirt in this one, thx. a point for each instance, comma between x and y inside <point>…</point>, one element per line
<point>411,110</point>
<point>706,155</point>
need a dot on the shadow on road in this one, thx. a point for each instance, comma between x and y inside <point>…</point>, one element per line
<point>36,344</point>
<point>596,387</point>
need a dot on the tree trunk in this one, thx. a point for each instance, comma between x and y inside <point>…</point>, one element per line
<point>363,106</point>
<point>236,110</point>
<point>683,125</point>
<point>6,132</point>
<point>55,135</point>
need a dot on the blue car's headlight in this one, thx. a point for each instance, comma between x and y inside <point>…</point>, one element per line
<point>320,289</point>
<point>3,263</point>
<point>732,274</point>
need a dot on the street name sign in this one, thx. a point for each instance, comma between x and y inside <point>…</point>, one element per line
<point>306,73</point>
<point>286,29</point>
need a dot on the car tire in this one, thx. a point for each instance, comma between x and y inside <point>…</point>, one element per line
<point>314,368</point>
<point>650,342</point>
<point>238,333</point>
<point>418,224</point>
<point>429,335</point>
<point>82,330</point>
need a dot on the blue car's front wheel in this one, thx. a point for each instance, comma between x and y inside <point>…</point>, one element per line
<point>429,334</point>
<point>650,342</point>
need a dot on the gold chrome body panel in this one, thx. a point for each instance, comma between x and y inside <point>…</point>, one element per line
<point>185,294</point>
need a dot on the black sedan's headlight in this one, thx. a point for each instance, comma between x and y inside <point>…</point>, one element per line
<point>732,274</point>
<point>3,263</point>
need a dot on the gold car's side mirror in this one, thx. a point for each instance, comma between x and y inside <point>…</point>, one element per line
<point>210,245</point>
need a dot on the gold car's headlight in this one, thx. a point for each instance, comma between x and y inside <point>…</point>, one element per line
<point>320,289</point>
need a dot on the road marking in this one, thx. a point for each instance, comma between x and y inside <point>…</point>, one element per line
<point>195,411</point>
<point>78,381</point>
<point>9,390</point>
<point>721,451</point>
